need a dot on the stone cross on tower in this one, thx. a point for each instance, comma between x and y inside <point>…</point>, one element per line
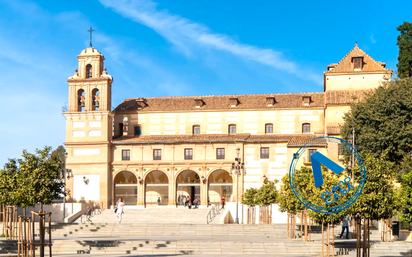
<point>90,30</point>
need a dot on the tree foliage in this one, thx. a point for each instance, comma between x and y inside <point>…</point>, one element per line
<point>35,178</point>
<point>249,197</point>
<point>405,50</point>
<point>267,194</point>
<point>406,197</point>
<point>378,199</point>
<point>383,121</point>
<point>287,200</point>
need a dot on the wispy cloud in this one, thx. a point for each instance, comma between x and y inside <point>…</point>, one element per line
<point>186,35</point>
<point>373,40</point>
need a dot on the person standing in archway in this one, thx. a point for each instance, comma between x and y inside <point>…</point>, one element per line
<point>223,202</point>
<point>184,201</point>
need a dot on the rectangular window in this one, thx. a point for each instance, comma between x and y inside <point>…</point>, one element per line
<point>137,130</point>
<point>125,155</point>
<point>357,63</point>
<point>306,127</point>
<point>188,153</point>
<point>196,130</point>
<point>220,153</point>
<point>264,153</point>
<point>268,128</point>
<point>295,156</point>
<point>311,151</point>
<point>232,129</point>
<point>157,154</point>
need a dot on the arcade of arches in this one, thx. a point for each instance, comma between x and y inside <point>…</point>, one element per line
<point>157,189</point>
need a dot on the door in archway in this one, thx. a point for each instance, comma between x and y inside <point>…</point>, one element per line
<point>156,188</point>
<point>220,185</point>
<point>125,187</point>
<point>187,185</point>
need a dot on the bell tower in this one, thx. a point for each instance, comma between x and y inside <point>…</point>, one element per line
<point>89,129</point>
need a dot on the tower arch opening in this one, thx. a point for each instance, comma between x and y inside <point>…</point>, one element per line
<point>81,100</point>
<point>89,69</point>
<point>95,99</point>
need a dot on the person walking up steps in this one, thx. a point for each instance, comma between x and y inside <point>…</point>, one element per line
<point>120,208</point>
<point>88,214</point>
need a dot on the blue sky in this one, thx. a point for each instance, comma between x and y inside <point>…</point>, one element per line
<point>168,48</point>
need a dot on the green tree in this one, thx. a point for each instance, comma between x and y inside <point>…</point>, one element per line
<point>378,199</point>
<point>406,197</point>
<point>287,200</point>
<point>405,50</point>
<point>249,198</point>
<point>9,183</point>
<point>383,121</point>
<point>267,194</point>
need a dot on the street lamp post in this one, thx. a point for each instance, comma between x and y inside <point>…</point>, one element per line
<point>237,168</point>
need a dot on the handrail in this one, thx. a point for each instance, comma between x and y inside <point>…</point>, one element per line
<point>212,213</point>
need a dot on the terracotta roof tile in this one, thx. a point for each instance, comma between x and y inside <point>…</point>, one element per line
<point>369,64</point>
<point>290,139</point>
<point>219,102</point>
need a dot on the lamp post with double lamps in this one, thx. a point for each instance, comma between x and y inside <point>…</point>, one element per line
<point>237,168</point>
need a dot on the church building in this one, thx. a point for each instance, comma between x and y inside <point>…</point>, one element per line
<point>156,150</point>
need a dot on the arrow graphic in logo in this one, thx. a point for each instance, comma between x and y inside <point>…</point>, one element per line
<point>318,158</point>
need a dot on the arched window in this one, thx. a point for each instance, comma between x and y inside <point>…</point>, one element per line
<point>196,130</point>
<point>232,129</point>
<point>137,130</point>
<point>306,128</point>
<point>81,100</point>
<point>96,99</point>
<point>268,128</point>
<point>88,71</point>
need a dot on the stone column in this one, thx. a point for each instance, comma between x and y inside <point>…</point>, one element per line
<point>140,188</point>
<point>172,187</point>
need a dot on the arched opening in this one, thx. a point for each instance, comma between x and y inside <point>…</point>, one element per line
<point>88,71</point>
<point>95,99</point>
<point>220,185</point>
<point>156,188</point>
<point>81,100</point>
<point>125,186</point>
<point>188,184</point>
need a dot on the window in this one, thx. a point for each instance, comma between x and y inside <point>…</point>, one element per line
<point>232,129</point>
<point>264,153</point>
<point>220,153</point>
<point>188,153</point>
<point>268,128</point>
<point>137,130</point>
<point>88,71</point>
<point>196,129</point>
<point>157,154</point>
<point>295,156</point>
<point>306,128</point>
<point>125,155</point>
<point>121,129</point>
<point>311,151</point>
<point>357,63</point>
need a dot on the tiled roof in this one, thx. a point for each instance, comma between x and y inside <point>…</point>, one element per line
<point>333,130</point>
<point>219,102</point>
<point>290,139</point>
<point>341,97</point>
<point>369,64</point>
